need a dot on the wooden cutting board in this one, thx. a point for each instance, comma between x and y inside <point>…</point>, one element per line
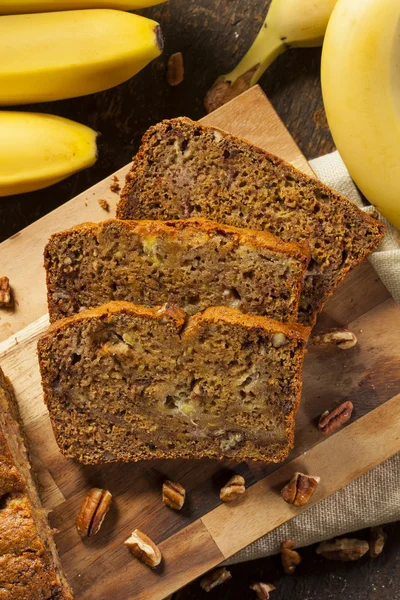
<point>205,532</point>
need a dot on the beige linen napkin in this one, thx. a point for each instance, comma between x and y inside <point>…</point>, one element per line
<point>374,498</point>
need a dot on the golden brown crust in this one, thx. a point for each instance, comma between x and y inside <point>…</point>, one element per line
<point>173,313</point>
<point>131,198</point>
<point>29,568</point>
<point>233,316</point>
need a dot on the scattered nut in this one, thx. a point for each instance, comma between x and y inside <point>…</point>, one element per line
<point>235,487</point>
<point>214,578</point>
<point>331,421</point>
<point>342,338</point>
<point>345,549</point>
<point>289,557</point>
<point>93,511</point>
<point>300,489</point>
<point>115,187</point>
<point>144,549</point>
<point>173,494</point>
<point>104,204</point>
<point>377,541</point>
<point>6,298</point>
<point>175,69</point>
<point>262,589</point>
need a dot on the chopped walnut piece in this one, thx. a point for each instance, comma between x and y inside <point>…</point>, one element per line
<point>214,578</point>
<point>290,558</point>
<point>144,548</point>
<point>342,338</point>
<point>175,69</point>
<point>104,204</point>
<point>93,512</point>
<point>6,298</point>
<point>345,549</point>
<point>235,487</point>
<point>300,489</point>
<point>173,494</point>
<point>262,589</point>
<point>332,420</point>
<point>376,541</point>
<point>115,187</point>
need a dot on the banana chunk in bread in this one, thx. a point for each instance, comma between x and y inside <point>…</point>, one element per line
<point>29,565</point>
<point>194,264</point>
<point>125,383</point>
<point>185,169</point>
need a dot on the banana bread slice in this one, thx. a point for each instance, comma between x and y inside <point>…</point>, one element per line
<point>194,264</point>
<point>185,169</point>
<point>29,565</point>
<point>125,383</point>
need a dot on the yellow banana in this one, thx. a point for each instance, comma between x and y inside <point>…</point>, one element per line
<point>288,24</point>
<point>38,150</point>
<point>361,92</point>
<point>14,7</point>
<point>51,56</point>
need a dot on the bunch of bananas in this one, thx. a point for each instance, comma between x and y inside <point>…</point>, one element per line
<point>360,82</point>
<point>55,55</point>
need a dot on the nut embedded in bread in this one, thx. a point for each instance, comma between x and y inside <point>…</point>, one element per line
<point>185,169</point>
<point>194,264</point>
<point>125,383</point>
<point>29,565</point>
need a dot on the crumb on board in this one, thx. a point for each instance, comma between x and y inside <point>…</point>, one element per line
<point>104,204</point>
<point>6,296</point>
<point>115,187</point>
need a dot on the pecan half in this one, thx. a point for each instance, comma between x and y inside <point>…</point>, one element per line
<point>93,511</point>
<point>342,338</point>
<point>235,487</point>
<point>214,578</point>
<point>376,541</point>
<point>300,489</point>
<point>144,548</point>
<point>289,557</point>
<point>173,494</point>
<point>262,589</point>
<point>332,420</point>
<point>345,549</point>
<point>6,298</point>
<point>175,69</point>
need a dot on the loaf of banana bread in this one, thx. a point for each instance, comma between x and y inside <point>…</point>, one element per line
<point>29,565</point>
<point>185,169</point>
<point>125,383</point>
<point>194,264</point>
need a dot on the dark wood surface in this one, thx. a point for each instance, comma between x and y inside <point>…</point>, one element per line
<point>315,578</point>
<point>213,35</point>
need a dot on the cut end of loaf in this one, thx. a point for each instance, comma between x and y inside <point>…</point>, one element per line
<point>30,566</point>
<point>126,384</point>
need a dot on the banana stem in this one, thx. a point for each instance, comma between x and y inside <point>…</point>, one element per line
<point>265,49</point>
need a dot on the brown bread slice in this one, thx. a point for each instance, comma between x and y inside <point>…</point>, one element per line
<point>185,169</point>
<point>126,383</point>
<point>194,264</point>
<point>29,565</point>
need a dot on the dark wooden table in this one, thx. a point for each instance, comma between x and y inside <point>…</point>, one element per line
<point>213,35</point>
